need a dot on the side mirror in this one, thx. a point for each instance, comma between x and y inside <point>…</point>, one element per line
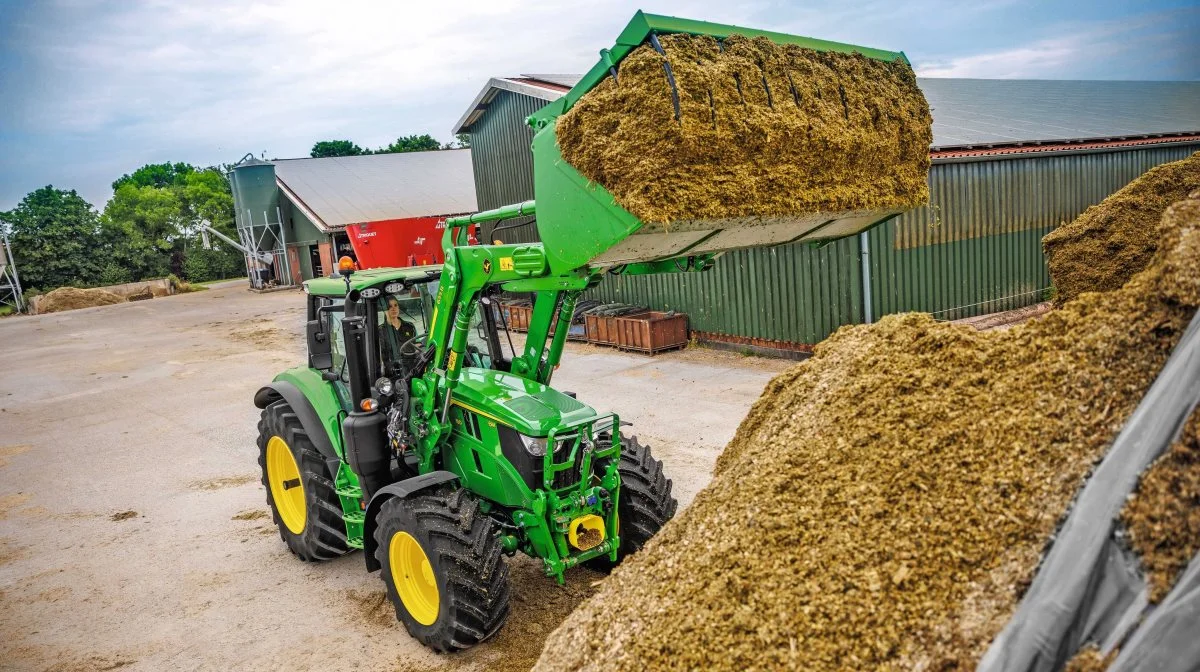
<point>319,350</point>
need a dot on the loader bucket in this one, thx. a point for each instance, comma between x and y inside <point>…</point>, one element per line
<point>796,170</point>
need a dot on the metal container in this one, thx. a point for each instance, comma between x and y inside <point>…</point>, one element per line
<point>602,329</point>
<point>651,332</point>
<point>517,316</point>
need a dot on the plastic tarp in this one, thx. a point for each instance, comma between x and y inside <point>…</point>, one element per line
<point>1169,640</point>
<point>1089,587</point>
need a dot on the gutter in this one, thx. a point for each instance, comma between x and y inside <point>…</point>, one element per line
<point>1025,151</point>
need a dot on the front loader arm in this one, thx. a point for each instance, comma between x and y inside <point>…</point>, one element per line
<point>467,271</point>
<point>470,269</point>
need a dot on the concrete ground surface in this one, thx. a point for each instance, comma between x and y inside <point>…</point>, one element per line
<point>134,533</point>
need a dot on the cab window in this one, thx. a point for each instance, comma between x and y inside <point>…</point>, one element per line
<point>400,328</point>
<point>331,313</point>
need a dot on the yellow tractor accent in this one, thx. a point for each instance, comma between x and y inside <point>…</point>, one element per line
<point>414,579</point>
<point>586,532</point>
<point>286,488</point>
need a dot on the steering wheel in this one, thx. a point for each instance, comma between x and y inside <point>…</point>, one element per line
<point>408,357</point>
<point>410,348</point>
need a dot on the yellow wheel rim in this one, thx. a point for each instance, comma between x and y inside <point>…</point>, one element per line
<point>414,579</point>
<point>286,489</point>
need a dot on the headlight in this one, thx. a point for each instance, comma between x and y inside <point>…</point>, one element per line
<point>384,386</point>
<point>534,446</point>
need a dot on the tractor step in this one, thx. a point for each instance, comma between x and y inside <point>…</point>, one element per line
<point>355,517</point>
<point>355,542</point>
<point>353,492</point>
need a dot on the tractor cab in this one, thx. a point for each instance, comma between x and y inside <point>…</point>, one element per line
<point>399,303</point>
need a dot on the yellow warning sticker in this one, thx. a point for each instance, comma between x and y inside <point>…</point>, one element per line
<point>451,361</point>
<point>506,263</point>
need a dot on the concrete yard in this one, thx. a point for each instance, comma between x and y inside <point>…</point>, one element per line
<point>134,532</point>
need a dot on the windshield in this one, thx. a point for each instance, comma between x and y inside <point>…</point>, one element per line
<point>401,326</point>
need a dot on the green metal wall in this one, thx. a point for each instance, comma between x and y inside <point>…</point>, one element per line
<point>501,158</point>
<point>786,293</point>
<point>975,249</point>
<point>298,228</point>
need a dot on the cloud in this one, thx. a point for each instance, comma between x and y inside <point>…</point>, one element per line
<point>94,89</point>
<point>1040,60</point>
<point>1152,45</point>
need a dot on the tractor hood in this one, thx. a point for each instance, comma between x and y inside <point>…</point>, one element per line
<point>527,406</point>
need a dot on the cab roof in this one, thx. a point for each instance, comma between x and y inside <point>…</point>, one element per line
<point>360,280</point>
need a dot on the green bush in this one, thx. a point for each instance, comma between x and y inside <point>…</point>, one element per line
<point>183,286</point>
<point>115,274</point>
<point>202,265</point>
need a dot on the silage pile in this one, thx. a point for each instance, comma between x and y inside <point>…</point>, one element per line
<point>1163,516</point>
<point>71,298</point>
<point>885,503</point>
<point>1116,239</point>
<point>765,130</point>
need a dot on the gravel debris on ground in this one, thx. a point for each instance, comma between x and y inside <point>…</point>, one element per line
<point>885,503</point>
<point>765,130</point>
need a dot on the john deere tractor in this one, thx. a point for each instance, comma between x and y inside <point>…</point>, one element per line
<point>415,434</point>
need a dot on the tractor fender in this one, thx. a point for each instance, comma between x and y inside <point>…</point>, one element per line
<point>305,413</point>
<point>402,489</point>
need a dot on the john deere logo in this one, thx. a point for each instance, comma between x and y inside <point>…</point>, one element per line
<point>487,265</point>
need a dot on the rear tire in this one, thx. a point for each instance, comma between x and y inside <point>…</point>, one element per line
<point>443,569</point>
<point>310,524</point>
<point>645,503</point>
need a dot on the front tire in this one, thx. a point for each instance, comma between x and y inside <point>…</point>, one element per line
<point>645,503</point>
<point>300,491</point>
<point>443,569</point>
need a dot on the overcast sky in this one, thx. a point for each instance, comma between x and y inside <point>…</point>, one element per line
<point>92,90</point>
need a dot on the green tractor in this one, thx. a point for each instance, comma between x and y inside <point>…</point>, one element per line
<point>414,434</point>
<point>363,449</point>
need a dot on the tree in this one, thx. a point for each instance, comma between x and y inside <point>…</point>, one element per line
<point>412,143</point>
<point>142,227</point>
<point>55,240</point>
<point>157,175</point>
<point>328,148</point>
<point>464,140</point>
<point>207,199</point>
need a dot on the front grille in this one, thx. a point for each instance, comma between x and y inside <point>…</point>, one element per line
<point>567,477</point>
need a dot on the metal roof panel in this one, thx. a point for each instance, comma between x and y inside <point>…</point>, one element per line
<point>355,189</point>
<point>990,111</point>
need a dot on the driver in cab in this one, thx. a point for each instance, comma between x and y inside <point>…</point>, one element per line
<point>395,331</point>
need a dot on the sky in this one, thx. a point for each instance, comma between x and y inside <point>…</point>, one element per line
<point>91,90</point>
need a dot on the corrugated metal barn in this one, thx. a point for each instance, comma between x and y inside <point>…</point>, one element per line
<point>1012,160</point>
<point>381,209</point>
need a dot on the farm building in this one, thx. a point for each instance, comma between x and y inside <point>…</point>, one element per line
<point>1012,160</point>
<point>380,209</point>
